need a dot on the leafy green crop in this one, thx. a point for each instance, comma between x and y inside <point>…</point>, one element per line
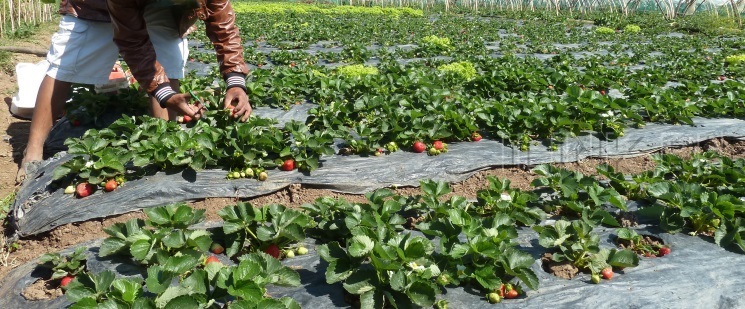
<point>575,242</point>
<point>248,229</point>
<point>163,235</point>
<point>62,266</point>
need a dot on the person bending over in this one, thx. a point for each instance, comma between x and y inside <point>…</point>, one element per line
<point>82,51</point>
<point>136,47</point>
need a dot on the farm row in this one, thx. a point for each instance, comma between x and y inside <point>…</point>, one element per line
<point>407,249</point>
<point>421,106</point>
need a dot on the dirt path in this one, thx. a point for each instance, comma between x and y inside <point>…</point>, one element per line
<point>14,130</point>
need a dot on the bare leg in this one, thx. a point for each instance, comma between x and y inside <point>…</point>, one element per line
<point>50,102</point>
<point>162,113</point>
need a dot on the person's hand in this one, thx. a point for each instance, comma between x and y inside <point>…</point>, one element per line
<point>180,103</point>
<point>237,100</point>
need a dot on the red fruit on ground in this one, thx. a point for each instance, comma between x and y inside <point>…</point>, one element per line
<point>511,294</point>
<point>475,137</point>
<point>607,273</point>
<point>438,145</point>
<point>66,280</point>
<point>212,259</point>
<point>84,189</point>
<point>288,165</point>
<point>187,118</point>
<point>419,147</point>
<point>110,185</point>
<point>664,251</point>
<point>272,250</point>
<point>602,92</point>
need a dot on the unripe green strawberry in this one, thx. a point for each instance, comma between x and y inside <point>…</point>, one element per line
<point>290,254</point>
<point>70,189</point>
<point>595,278</point>
<point>302,250</point>
<point>493,298</point>
<point>249,173</point>
<point>263,176</point>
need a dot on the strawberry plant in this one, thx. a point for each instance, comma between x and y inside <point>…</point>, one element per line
<point>215,141</point>
<point>689,205</point>
<point>105,290</point>
<point>329,216</point>
<point>249,229</point>
<point>162,235</point>
<point>239,286</point>
<point>500,198</point>
<point>731,233</point>
<point>487,255</point>
<point>574,241</point>
<point>642,245</point>
<point>579,195</point>
<point>64,266</point>
<point>395,270</point>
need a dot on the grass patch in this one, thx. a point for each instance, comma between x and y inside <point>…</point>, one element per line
<point>6,61</point>
<point>5,205</point>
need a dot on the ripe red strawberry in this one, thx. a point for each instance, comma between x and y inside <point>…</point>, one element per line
<point>272,250</point>
<point>721,77</point>
<point>75,123</point>
<point>419,147</point>
<point>187,118</point>
<point>84,189</point>
<point>475,136</point>
<point>216,248</point>
<point>438,145</point>
<point>66,280</point>
<point>288,165</point>
<point>212,259</point>
<point>511,294</point>
<point>110,185</point>
<point>602,92</point>
<point>607,273</point>
<point>664,251</point>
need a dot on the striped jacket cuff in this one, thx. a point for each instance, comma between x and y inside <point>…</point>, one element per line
<point>163,93</point>
<point>235,80</point>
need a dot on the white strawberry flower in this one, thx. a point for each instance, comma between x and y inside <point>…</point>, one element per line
<point>89,164</point>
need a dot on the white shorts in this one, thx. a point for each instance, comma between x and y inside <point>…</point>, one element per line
<point>84,52</point>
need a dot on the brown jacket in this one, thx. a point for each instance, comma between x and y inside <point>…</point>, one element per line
<point>94,10</point>
<point>134,44</point>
